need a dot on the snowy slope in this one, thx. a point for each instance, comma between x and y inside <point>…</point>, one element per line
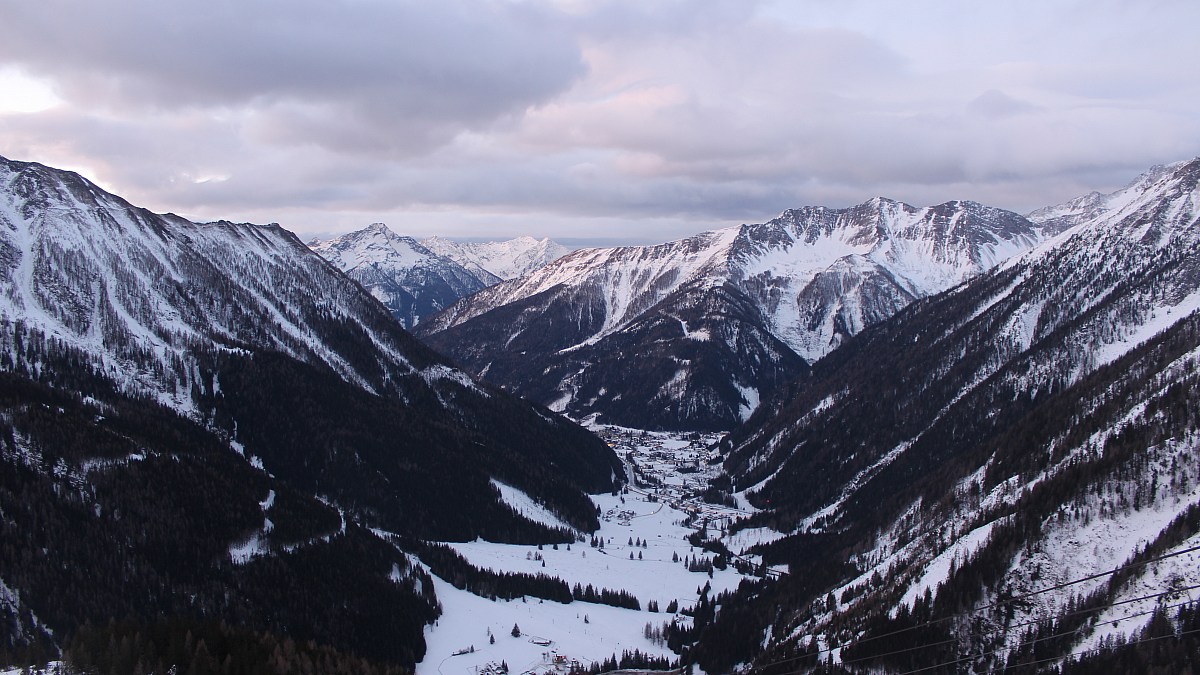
<point>823,275</point>
<point>500,259</point>
<point>174,311</point>
<point>409,279</point>
<point>131,288</point>
<point>1089,207</point>
<point>1026,429</point>
<point>626,281</point>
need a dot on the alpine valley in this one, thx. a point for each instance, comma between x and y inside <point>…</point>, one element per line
<point>880,439</point>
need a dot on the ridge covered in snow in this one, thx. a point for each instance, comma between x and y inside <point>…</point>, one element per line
<point>409,279</point>
<point>1026,429</point>
<point>415,279</point>
<point>745,307</point>
<point>503,260</point>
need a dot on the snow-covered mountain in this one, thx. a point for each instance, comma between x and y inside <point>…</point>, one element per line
<point>957,482</point>
<point>415,279</point>
<point>211,413</point>
<point>1089,207</point>
<point>500,259</point>
<point>156,303</point>
<point>714,322</point>
<point>409,279</point>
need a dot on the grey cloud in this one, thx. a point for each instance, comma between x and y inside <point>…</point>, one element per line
<point>995,103</point>
<point>413,73</point>
<point>586,117</point>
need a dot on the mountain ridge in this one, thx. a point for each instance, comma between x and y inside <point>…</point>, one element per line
<point>415,279</point>
<point>409,279</point>
<point>1025,428</point>
<point>503,260</point>
<point>813,276</point>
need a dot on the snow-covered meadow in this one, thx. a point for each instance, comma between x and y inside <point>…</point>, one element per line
<point>580,631</point>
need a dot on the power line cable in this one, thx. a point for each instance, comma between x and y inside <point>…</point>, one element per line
<point>995,652</point>
<point>1130,642</point>
<point>995,605</point>
<point>972,657</point>
<point>1034,622</point>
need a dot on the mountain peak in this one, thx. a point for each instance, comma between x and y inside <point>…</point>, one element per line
<point>1148,187</point>
<point>407,277</point>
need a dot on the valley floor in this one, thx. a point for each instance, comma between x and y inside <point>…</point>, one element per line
<point>555,635</point>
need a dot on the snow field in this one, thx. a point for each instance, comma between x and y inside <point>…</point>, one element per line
<point>467,618</point>
<point>527,507</point>
<point>654,577</point>
<point>607,631</point>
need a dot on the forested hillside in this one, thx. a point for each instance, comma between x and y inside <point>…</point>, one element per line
<point>955,485</point>
<point>207,422</point>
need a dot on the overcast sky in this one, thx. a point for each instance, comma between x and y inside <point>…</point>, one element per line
<point>599,122</point>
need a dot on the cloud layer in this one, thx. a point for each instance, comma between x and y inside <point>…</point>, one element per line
<point>595,120</point>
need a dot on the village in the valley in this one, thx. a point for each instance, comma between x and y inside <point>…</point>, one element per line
<point>671,468</point>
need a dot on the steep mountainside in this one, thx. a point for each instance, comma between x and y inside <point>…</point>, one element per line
<point>409,279</point>
<point>951,487</point>
<point>1089,207</point>
<point>212,414</point>
<point>500,259</point>
<point>715,322</point>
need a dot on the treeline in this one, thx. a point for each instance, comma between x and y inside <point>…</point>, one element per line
<point>445,562</point>
<point>180,645</point>
<point>1166,646</point>
<point>630,660</point>
<point>718,640</point>
<point>448,564</point>
<point>935,619</point>
<point>403,466</point>
<point>605,596</point>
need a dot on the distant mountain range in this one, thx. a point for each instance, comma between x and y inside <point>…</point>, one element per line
<point>415,279</point>
<point>714,323</point>
<point>496,261</point>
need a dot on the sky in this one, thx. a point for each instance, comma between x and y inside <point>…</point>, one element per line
<point>593,122</point>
